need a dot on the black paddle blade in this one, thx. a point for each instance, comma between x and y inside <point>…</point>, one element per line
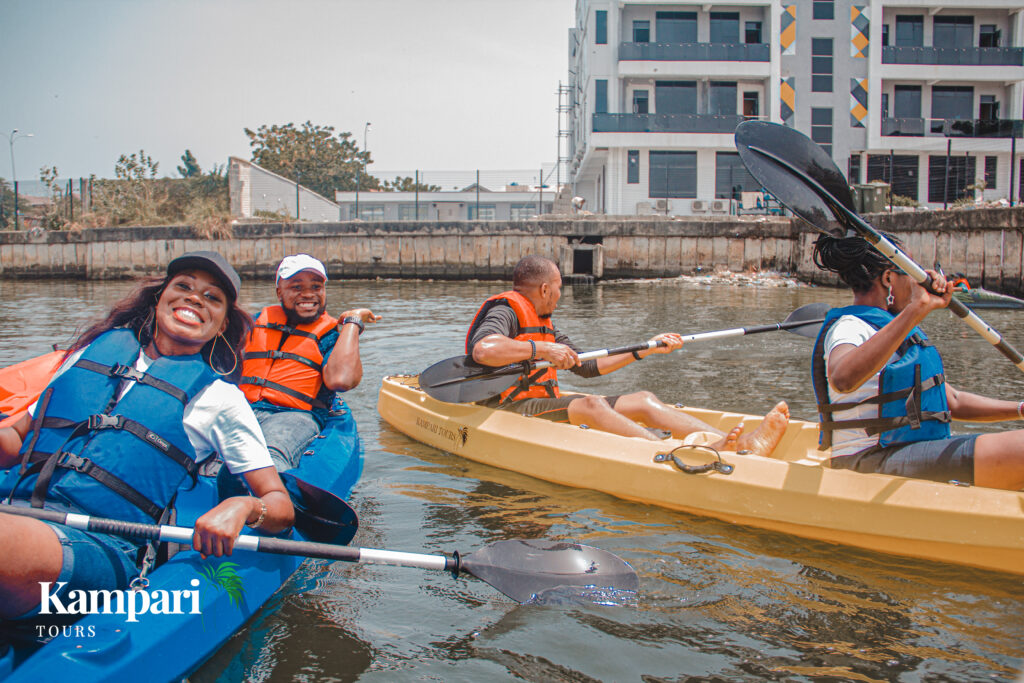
<point>320,515</point>
<point>812,315</point>
<point>523,569</point>
<point>460,380</point>
<point>783,160</point>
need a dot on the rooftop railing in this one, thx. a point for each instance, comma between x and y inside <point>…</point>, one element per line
<point>667,123</point>
<point>953,128</point>
<point>695,52</point>
<point>954,56</point>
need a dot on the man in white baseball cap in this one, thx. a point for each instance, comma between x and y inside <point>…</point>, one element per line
<point>298,356</point>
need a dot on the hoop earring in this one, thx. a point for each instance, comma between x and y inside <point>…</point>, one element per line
<point>890,298</point>
<point>233,355</point>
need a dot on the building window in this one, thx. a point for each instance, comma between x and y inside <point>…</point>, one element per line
<point>722,98</point>
<point>943,187</point>
<point>899,170</point>
<point>486,212</point>
<point>675,97</point>
<point>371,212</point>
<point>732,177</point>
<point>407,212</point>
<point>520,212</point>
<point>675,27</point>
<point>952,102</point>
<point>885,35</point>
<point>991,164</point>
<point>601,27</point>
<point>821,65</point>
<point>642,31</point>
<point>751,105</point>
<point>672,174</point>
<point>641,102</point>
<point>633,166</point>
<point>824,9</point>
<point>821,127</point>
<point>600,96</point>
<point>909,31</point>
<point>725,27</point>
<point>953,31</point>
<point>885,105</point>
<point>752,32</point>
<point>853,169</point>
<point>988,108</point>
<point>907,100</point>
<point>988,36</point>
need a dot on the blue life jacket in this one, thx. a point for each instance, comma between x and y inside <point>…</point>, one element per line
<point>122,458</point>
<point>911,395</point>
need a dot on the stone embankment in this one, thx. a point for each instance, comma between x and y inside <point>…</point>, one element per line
<point>983,244</point>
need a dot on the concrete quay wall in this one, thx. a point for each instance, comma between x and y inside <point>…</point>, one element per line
<point>985,244</point>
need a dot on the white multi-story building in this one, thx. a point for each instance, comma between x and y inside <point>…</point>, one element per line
<point>887,86</point>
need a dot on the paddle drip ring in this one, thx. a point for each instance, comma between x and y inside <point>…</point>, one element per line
<point>717,465</point>
<point>139,583</point>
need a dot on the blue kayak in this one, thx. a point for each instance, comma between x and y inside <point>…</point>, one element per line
<point>217,595</point>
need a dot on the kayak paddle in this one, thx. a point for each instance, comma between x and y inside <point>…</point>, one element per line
<point>520,569</point>
<point>461,380</point>
<point>801,175</point>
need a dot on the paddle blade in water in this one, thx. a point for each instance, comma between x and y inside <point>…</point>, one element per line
<point>777,156</point>
<point>460,380</point>
<point>522,569</point>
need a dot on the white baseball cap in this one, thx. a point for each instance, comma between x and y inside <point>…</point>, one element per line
<point>292,265</point>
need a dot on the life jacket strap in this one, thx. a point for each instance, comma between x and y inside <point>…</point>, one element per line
<point>526,381</point>
<point>128,373</point>
<point>264,382</point>
<point>287,329</point>
<point>275,355</point>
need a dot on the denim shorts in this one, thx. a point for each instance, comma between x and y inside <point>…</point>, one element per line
<point>943,460</point>
<point>288,434</point>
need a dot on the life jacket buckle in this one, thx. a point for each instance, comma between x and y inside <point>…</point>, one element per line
<point>126,372</point>
<point>101,421</point>
<point>71,461</point>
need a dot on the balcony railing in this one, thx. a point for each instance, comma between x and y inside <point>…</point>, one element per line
<point>953,128</point>
<point>954,56</point>
<point>667,123</point>
<point>694,52</point>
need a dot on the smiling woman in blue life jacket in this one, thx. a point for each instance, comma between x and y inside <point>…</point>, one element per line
<point>136,405</point>
<point>882,396</point>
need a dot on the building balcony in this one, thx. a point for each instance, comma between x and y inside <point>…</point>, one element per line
<point>694,52</point>
<point>952,128</point>
<point>667,123</point>
<point>954,56</point>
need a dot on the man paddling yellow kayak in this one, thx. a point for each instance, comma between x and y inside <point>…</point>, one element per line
<point>515,326</point>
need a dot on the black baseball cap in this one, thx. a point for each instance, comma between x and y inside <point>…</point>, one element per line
<point>211,262</point>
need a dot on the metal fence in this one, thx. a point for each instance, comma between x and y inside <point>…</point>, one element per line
<point>28,203</point>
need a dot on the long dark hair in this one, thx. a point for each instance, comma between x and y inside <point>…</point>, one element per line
<point>854,259</point>
<point>137,312</point>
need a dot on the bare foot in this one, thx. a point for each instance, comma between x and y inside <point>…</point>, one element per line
<point>766,437</point>
<point>730,442</point>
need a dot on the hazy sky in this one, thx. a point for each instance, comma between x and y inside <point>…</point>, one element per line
<point>446,84</point>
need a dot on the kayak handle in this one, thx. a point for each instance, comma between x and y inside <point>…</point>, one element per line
<point>715,465</point>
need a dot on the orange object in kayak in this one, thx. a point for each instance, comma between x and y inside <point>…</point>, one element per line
<point>21,384</point>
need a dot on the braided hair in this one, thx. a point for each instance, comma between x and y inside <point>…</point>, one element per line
<point>854,259</point>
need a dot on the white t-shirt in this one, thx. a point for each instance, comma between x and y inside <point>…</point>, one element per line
<point>217,420</point>
<point>850,329</point>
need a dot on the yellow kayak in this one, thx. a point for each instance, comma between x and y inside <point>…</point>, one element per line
<point>793,491</point>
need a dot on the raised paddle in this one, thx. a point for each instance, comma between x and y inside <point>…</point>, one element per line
<point>520,569</point>
<point>461,380</point>
<point>802,176</point>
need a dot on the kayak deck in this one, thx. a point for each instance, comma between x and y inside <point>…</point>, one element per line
<point>162,647</point>
<point>792,491</point>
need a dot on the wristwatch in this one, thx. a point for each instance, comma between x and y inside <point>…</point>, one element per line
<point>355,321</point>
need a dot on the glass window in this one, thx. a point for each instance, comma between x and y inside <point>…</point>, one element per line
<point>991,164</point>
<point>751,104</point>
<point>752,32</point>
<point>907,100</point>
<point>722,98</point>
<point>601,96</point>
<point>885,35</point>
<point>407,212</point>
<point>675,97</point>
<point>943,187</point>
<point>672,174</point>
<point>642,31</point>
<point>910,31</point>
<point>725,27</point>
<point>821,65</point>
<point>899,170</point>
<point>371,212</point>
<point>675,27</point>
<point>821,127</point>
<point>952,102</point>
<point>988,36</point>
<point>487,212</point>
<point>988,109</point>
<point>732,177</point>
<point>885,105</point>
<point>521,212</point>
<point>633,166</point>
<point>641,102</point>
<point>953,32</point>
<point>824,9</point>
<point>853,169</point>
<point>601,27</point>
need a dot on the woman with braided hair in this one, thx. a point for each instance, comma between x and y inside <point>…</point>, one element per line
<point>882,397</point>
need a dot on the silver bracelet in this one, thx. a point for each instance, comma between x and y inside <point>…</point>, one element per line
<point>259,520</point>
<point>1020,410</point>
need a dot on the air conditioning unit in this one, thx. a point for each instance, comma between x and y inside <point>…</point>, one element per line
<point>662,205</point>
<point>698,206</point>
<point>720,206</point>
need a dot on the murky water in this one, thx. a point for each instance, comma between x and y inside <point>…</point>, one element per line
<point>716,602</point>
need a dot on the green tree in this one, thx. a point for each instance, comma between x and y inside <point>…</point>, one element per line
<point>407,184</point>
<point>7,205</point>
<point>191,166</point>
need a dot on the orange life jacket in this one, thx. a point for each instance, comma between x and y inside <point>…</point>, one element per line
<point>541,383</point>
<point>283,364</point>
